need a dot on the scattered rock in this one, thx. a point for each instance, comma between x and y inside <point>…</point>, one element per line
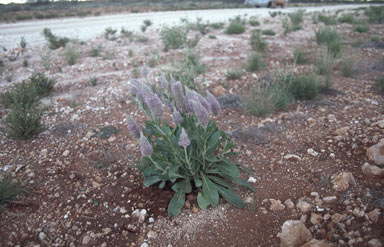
<point>342,131</point>
<point>312,152</point>
<point>289,204</point>
<point>251,180</point>
<point>86,240</point>
<point>317,243</point>
<point>231,101</point>
<point>316,219</point>
<point>152,234</point>
<point>42,236</point>
<point>375,243</point>
<point>342,181</point>
<point>140,214</point>
<point>330,199</point>
<point>331,118</point>
<point>337,218</point>
<point>374,215</point>
<point>219,90</point>
<point>376,153</point>
<point>292,157</point>
<point>144,245</point>
<point>304,206</point>
<point>294,234</point>
<point>371,170</point>
<point>276,205</point>
<point>380,123</point>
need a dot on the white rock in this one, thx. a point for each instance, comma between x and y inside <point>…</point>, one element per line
<point>375,243</point>
<point>341,131</point>
<point>330,199</point>
<point>66,153</point>
<point>42,236</point>
<point>276,205</point>
<point>151,220</point>
<point>294,234</point>
<point>252,180</point>
<point>140,214</point>
<point>342,181</point>
<point>304,206</point>
<point>317,243</point>
<point>144,245</point>
<point>152,234</point>
<point>289,204</point>
<point>86,240</point>
<point>312,152</point>
<point>292,157</point>
<point>380,123</point>
<point>376,153</point>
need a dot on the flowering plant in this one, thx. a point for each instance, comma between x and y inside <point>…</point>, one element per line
<point>191,153</point>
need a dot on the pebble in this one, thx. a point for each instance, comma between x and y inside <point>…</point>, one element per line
<point>304,206</point>
<point>152,234</point>
<point>251,180</point>
<point>151,220</point>
<point>289,204</point>
<point>375,243</point>
<point>86,240</point>
<point>66,153</point>
<point>276,205</point>
<point>330,199</point>
<point>42,236</point>
<point>312,152</point>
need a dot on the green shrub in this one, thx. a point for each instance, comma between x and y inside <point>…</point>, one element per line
<point>304,87</point>
<point>379,85</point>
<point>54,41</point>
<point>331,39</point>
<point>328,19</point>
<point>188,70</point>
<point>235,27</point>
<point>211,36</point>
<point>255,62</point>
<point>324,64</point>
<point>42,84</point>
<point>257,42</point>
<point>23,43</point>
<point>268,32</point>
<point>173,37</point>
<point>95,51</point>
<point>8,189</point>
<point>25,63</point>
<point>375,14</point>
<point>109,33</point>
<point>70,54</point>
<point>361,27</point>
<point>191,43</point>
<point>93,81</point>
<point>299,56</point>
<point>126,33</point>
<point>147,23</point>
<point>296,18</point>
<point>268,97</point>
<point>347,18</point>
<point>22,93</point>
<point>191,154</point>
<point>375,39</point>
<point>253,22</point>
<point>348,66</point>
<point>217,25</point>
<point>234,74</point>
<point>197,26</point>
<point>46,59</point>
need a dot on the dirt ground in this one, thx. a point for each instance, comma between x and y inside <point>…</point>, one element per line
<point>81,185</point>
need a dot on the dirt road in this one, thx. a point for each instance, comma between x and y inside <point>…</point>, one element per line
<point>90,27</point>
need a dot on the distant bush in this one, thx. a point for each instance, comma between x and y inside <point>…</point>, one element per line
<point>324,64</point>
<point>95,51</point>
<point>21,93</point>
<point>199,26</point>
<point>294,23</point>
<point>257,42</point>
<point>234,74</point>
<point>173,37</point>
<point>54,41</point>
<point>254,22</point>
<point>23,43</point>
<point>361,27</point>
<point>192,43</point>
<point>41,83</point>
<point>328,20</point>
<point>375,14</point>
<point>299,56</point>
<point>379,85</point>
<point>235,27</point>
<point>331,39</point>
<point>70,54</point>
<point>304,87</point>
<point>217,25</point>
<point>347,18</point>
<point>109,33</point>
<point>348,66</point>
<point>268,32</point>
<point>255,62</point>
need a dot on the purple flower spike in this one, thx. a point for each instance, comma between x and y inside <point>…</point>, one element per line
<point>154,104</point>
<point>144,71</point>
<point>145,146</point>
<point>200,112</point>
<point>163,82</point>
<point>204,102</point>
<point>133,127</point>
<point>178,96</point>
<point>168,104</point>
<point>177,118</point>
<point>184,139</point>
<point>214,103</point>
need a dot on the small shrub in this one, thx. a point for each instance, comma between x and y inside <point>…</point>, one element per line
<point>296,18</point>
<point>255,62</point>
<point>22,93</point>
<point>147,22</point>
<point>299,56</point>
<point>42,84</point>
<point>135,73</point>
<point>347,18</point>
<point>304,87</point>
<point>46,59</point>
<point>328,19</point>
<point>23,43</point>
<point>273,14</point>
<point>211,36</point>
<point>379,85</point>
<point>95,51</point>
<point>361,27</point>
<point>143,28</point>
<point>197,26</point>
<point>93,81</point>
<point>324,64</point>
<point>192,153</point>
<point>348,66</point>
<point>191,43</point>
<point>268,32</point>
<point>126,33</point>
<point>235,27</point>
<point>25,63</point>
<point>8,189</point>
<point>375,14</point>
<point>217,25</point>
<point>253,22</point>
<point>375,39</point>
<point>54,41</point>
<point>257,42</point>
<point>142,39</point>
<point>173,38</point>
<point>234,74</point>
<point>109,33</point>
<point>331,39</point>
<point>70,54</point>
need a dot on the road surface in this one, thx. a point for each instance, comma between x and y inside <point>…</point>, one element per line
<point>90,27</point>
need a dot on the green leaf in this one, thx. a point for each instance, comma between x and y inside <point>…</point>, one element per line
<point>242,182</point>
<point>212,159</point>
<point>228,168</point>
<point>231,197</point>
<point>148,181</point>
<point>162,184</point>
<point>228,145</point>
<point>177,203</point>
<point>210,191</point>
<point>213,143</point>
<point>202,201</point>
<point>179,185</point>
<point>198,182</point>
<point>220,181</point>
<point>188,186</point>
